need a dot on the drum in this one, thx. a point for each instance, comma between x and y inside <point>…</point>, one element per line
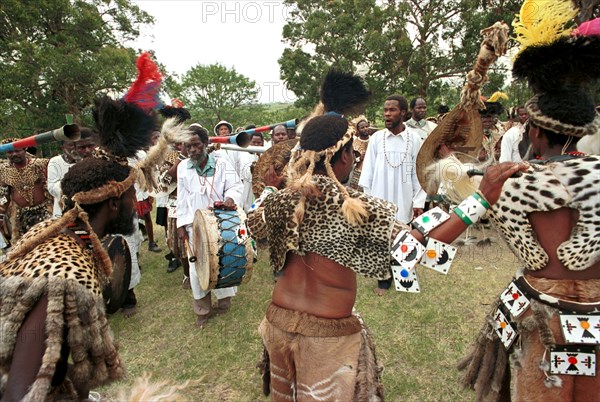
<point>224,252</point>
<point>115,291</point>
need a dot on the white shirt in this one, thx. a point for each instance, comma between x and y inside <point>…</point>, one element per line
<point>509,148</point>
<point>399,184</point>
<point>245,163</point>
<point>57,168</point>
<point>422,127</point>
<point>140,155</point>
<point>196,192</point>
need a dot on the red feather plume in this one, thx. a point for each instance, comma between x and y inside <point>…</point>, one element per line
<point>144,91</point>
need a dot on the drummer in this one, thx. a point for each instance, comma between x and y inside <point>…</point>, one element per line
<point>204,181</point>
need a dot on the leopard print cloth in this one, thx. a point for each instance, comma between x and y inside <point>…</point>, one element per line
<point>324,231</point>
<point>24,180</point>
<point>572,183</point>
<point>61,256</point>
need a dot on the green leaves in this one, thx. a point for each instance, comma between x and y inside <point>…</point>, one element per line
<point>413,47</point>
<point>215,92</point>
<point>57,55</point>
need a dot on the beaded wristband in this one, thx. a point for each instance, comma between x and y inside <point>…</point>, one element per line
<point>479,197</point>
<point>470,210</point>
<point>258,202</point>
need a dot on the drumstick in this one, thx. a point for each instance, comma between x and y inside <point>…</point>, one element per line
<point>191,256</point>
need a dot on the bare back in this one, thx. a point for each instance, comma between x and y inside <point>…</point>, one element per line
<point>316,285</point>
<point>553,228</point>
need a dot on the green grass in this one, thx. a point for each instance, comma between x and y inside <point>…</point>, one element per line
<point>419,337</point>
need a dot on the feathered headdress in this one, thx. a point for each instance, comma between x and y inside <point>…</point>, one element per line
<point>341,94</point>
<point>144,90</point>
<point>123,127</point>
<point>558,63</point>
<point>492,104</point>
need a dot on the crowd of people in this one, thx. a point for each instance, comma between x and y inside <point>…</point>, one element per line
<point>350,200</point>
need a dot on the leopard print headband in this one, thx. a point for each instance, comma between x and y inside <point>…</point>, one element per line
<point>556,126</point>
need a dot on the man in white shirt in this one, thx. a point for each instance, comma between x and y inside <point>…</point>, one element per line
<point>247,160</point>
<point>417,121</point>
<point>389,169</point>
<point>59,165</point>
<point>510,150</point>
<point>202,180</point>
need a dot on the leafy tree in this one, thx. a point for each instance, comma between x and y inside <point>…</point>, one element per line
<point>214,92</point>
<point>356,35</point>
<point>409,46</point>
<point>56,55</point>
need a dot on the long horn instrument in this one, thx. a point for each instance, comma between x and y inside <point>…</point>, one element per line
<point>69,132</point>
<point>251,149</point>
<point>287,124</point>
<point>243,138</point>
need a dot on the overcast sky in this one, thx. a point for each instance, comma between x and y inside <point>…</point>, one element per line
<point>245,35</point>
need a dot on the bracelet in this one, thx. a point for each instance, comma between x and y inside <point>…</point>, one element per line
<point>462,216</point>
<point>258,202</point>
<point>470,210</point>
<point>428,221</point>
<point>480,197</point>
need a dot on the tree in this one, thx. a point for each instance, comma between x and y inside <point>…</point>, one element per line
<point>399,46</point>
<point>214,92</point>
<point>56,55</point>
<point>352,35</point>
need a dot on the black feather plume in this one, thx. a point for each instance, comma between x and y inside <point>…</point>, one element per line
<point>566,62</point>
<point>344,93</point>
<point>181,114</point>
<point>124,128</point>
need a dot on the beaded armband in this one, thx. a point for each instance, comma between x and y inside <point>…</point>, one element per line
<point>407,251</point>
<point>472,208</point>
<point>258,202</point>
<point>428,221</point>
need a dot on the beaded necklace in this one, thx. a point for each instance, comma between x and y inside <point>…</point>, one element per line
<point>403,157</point>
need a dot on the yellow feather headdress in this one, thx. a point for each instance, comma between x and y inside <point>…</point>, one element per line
<point>541,22</point>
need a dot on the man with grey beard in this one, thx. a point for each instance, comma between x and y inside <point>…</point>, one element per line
<point>204,180</point>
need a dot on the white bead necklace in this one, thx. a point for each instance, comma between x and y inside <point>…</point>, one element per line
<point>403,156</point>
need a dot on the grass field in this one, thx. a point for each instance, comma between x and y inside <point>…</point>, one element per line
<point>419,337</point>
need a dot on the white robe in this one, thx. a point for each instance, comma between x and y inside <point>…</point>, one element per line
<point>509,147</point>
<point>195,192</point>
<point>398,185</point>
<point>57,168</point>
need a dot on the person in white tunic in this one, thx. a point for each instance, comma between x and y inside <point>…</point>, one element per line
<point>389,169</point>
<point>510,147</point>
<point>202,180</point>
<point>58,166</point>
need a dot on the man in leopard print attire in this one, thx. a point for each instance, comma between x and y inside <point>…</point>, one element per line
<point>321,235</point>
<point>550,219</point>
<point>24,197</point>
<point>56,340</point>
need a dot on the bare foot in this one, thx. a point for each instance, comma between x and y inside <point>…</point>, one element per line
<point>379,291</point>
<point>129,312</point>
